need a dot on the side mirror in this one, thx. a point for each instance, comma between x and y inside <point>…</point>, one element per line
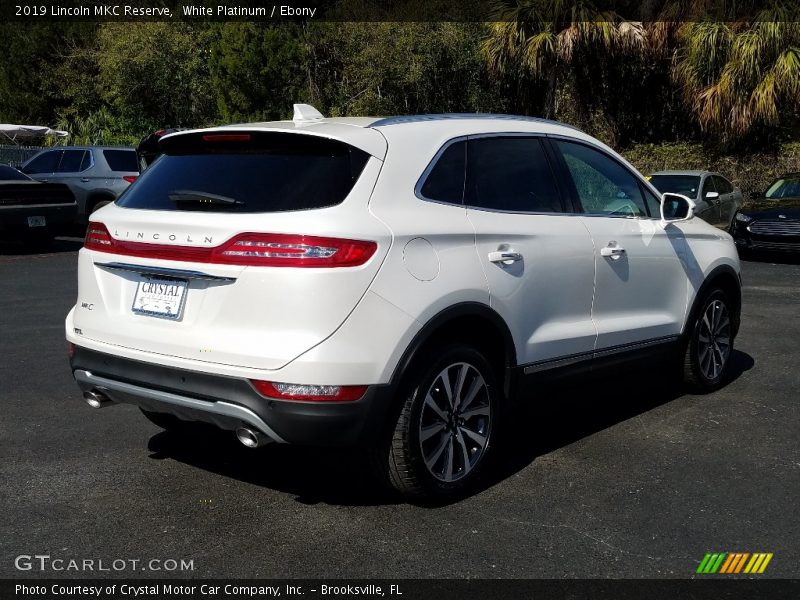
<point>756,195</point>
<point>712,195</point>
<point>676,207</point>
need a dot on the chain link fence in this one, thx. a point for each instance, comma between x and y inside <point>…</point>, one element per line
<point>16,155</point>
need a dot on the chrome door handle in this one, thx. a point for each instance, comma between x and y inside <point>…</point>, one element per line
<point>504,256</point>
<point>612,251</point>
<point>85,179</point>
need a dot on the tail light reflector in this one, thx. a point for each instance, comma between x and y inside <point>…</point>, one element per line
<point>247,249</point>
<point>130,178</point>
<point>98,238</point>
<point>309,393</point>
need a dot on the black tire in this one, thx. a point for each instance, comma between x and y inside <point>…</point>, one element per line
<point>400,458</point>
<point>100,203</point>
<point>710,344</point>
<point>167,421</point>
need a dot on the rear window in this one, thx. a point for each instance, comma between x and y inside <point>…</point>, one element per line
<point>247,173</point>
<point>686,185</point>
<point>121,160</point>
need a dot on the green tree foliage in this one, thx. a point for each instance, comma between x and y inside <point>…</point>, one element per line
<point>573,58</point>
<point>399,68</point>
<point>30,57</point>
<point>728,80</point>
<point>739,77</point>
<point>257,71</point>
<point>155,74</point>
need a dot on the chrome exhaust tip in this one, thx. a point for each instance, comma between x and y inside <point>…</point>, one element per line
<point>97,399</point>
<point>252,438</point>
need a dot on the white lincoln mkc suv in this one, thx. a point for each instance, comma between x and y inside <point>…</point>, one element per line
<point>389,282</point>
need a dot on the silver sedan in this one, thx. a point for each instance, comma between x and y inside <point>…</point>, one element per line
<point>717,199</point>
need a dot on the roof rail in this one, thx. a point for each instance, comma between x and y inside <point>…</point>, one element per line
<point>455,116</point>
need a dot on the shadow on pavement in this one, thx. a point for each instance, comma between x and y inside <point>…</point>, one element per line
<point>558,417</point>
<point>57,246</point>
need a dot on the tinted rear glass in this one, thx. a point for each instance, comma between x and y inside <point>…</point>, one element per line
<point>71,161</point>
<point>445,182</point>
<point>46,162</point>
<point>677,184</point>
<point>271,172</point>
<point>510,174</point>
<point>121,160</point>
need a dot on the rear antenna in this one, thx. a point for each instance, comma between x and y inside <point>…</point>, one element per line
<point>306,112</point>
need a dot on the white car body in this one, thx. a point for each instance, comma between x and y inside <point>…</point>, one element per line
<point>567,299</point>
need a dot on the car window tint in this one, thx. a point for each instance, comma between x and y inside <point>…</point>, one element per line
<point>121,160</point>
<point>71,161</point>
<point>44,163</point>
<point>708,186</point>
<point>723,185</point>
<point>274,172</point>
<point>510,174</point>
<point>445,182</point>
<point>87,160</point>
<point>603,185</point>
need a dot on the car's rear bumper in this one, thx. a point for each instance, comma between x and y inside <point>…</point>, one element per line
<point>15,218</point>
<point>230,402</point>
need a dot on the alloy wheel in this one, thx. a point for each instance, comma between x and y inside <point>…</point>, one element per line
<point>455,422</point>
<point>714,340</point>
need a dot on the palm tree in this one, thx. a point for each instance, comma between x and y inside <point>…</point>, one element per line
<point>739,75</point>
<point>546,41</point>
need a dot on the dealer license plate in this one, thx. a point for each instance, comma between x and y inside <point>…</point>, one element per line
<point>159,297</point>
<point>37,222</point>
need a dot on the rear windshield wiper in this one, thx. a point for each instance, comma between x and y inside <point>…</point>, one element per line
<point>202,198</point>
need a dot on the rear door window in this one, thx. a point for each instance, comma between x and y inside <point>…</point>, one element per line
<point>723,185</point>
<point>247,173</point>
<point>121,160</point>
<point>44,163</point>
<point>510,174</point>
<point>71,161</point>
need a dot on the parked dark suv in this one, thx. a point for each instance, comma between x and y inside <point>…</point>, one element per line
<point>96,174</point>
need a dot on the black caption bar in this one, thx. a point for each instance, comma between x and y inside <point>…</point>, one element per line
<point>380,10</point>
<point>402,589</point>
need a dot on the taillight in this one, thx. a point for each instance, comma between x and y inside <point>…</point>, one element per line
<point>281,250</point>
<point>247,249</point>
<point>98,238</point>
<point>130,178</point>
<point>309,393</point>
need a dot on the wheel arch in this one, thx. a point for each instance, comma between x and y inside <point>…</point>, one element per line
<point>470,322</point>
<point>726,278</point>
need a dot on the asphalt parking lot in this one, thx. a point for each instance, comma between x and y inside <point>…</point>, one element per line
<point>620,478</point>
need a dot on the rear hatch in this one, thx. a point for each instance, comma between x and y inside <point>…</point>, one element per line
<point>242,248</point>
